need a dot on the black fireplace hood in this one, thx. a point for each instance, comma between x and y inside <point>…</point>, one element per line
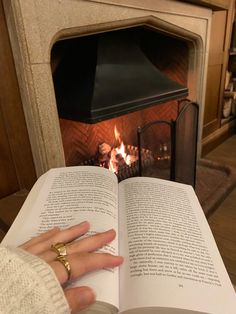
<point>107,75</point>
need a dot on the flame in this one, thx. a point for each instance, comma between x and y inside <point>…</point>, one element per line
<point>119,150</point>
<point>113,165</point>
<point>117,134</point>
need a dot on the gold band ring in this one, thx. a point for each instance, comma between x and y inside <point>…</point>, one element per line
<point>59,248</point>
<point>66,264</point>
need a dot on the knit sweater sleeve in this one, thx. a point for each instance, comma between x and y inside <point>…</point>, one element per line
<point>28,285</point>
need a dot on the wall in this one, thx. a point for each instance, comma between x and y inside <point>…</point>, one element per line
<point>16,162</point>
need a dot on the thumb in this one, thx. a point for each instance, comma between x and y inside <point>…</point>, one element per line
<point>79,298</point>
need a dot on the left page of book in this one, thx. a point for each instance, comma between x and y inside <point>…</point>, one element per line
<point>66,196</point>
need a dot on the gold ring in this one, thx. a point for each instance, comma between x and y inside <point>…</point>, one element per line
<point>59,248</point>
<point>66,264</point>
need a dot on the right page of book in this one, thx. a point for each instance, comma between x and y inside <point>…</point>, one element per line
<point>171,258</point>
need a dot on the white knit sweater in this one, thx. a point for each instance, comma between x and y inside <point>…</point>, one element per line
<point>28,285</point>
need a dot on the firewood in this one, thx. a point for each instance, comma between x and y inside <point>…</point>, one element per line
<point>104,148</point>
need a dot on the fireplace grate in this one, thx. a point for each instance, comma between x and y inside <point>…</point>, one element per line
<point>124,171</point>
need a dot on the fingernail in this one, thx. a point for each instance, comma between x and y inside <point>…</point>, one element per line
<point>111,230</point>
<point>86,297</point>
<point>84,223</point>
<point>120,259</point>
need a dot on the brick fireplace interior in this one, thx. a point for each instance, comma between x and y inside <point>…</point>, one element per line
<point>109,85</point>
<point>81,140</point>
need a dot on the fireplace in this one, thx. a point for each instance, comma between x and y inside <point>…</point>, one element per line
<point>110,87</point>
<point>38,31</point>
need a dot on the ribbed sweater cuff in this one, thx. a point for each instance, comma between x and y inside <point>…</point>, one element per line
<point>50,297</point>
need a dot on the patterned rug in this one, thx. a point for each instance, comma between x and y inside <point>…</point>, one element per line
<point>213,183</point>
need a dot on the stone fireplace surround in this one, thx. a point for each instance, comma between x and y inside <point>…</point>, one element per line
<point>35,25</point>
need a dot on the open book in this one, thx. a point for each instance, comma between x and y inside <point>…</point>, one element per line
<point>172,264</point>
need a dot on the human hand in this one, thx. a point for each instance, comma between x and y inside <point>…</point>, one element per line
<point>81,256</point>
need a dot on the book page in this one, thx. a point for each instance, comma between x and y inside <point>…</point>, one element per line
<point>68,196</point>
<point>171,259</point>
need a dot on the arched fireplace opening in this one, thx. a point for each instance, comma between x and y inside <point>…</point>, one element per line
<point>107,85</point>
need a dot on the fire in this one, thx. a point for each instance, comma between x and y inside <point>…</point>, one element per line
<point>118,155</point>
<point>117,134</point>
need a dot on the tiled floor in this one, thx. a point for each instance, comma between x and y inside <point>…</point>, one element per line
<point>223,221</point>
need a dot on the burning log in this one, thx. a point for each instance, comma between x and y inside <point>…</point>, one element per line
<point>104,149</point>
<point>122,159</point>
<point>104,155</point>
<point>124,171</point>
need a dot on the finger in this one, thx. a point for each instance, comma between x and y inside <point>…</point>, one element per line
<point>88,244</point>
<point>81,264</point>
<point>92,243</point>
<point>65,236</point>
<point>79,298</point>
